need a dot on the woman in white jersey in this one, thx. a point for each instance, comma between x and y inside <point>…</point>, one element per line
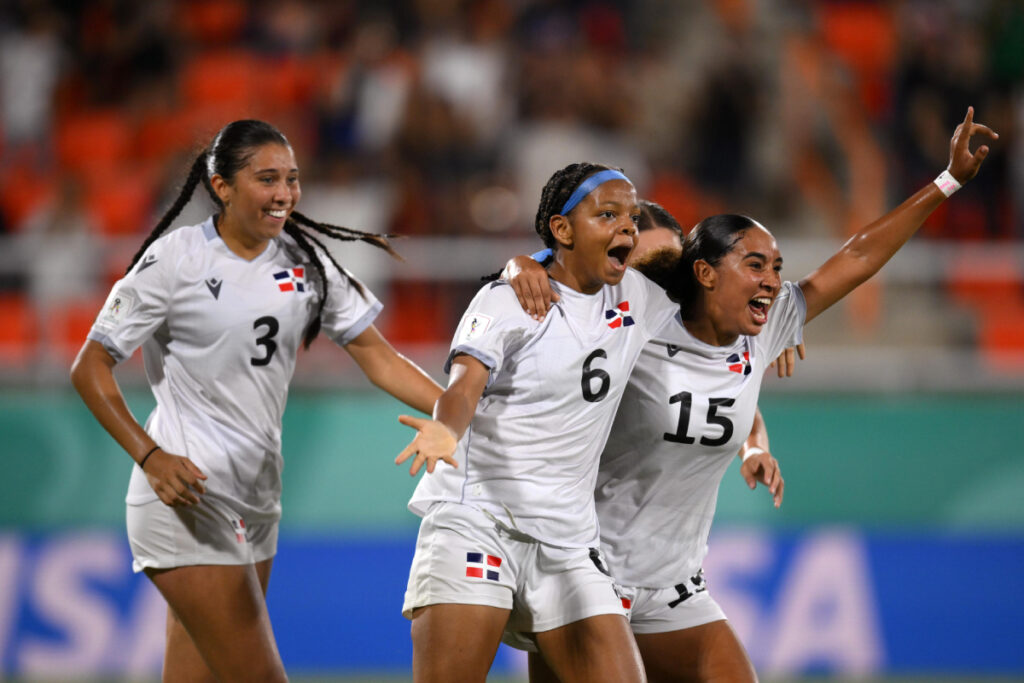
<point>691,400</point>
<point>220,310</point>
<point>509,533</point>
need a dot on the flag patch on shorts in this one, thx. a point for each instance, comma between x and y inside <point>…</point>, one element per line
<point>481,566</point>
<point>240,533</point>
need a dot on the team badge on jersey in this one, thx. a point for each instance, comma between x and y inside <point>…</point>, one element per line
<point>291,280</point>
<point>739,364</point>
<point>482,566</point>
<point>474,326</point>
<point>617,317</point>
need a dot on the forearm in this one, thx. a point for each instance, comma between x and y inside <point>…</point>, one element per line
<point>94,381</point>
<point>455,410</point>
<point>758,437</point>
<point>407,382</point>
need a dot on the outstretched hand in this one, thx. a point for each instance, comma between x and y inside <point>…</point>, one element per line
<point>964,164</point>
<point>434,441</point>
<point>786,362</point>
<point>762,467</point>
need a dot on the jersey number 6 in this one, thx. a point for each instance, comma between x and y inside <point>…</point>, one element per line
<point>590,374</point>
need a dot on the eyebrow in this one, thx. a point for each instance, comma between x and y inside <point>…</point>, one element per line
<point>273,170</point>
<point>757,254</point>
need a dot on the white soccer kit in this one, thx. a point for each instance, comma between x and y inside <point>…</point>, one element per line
<point>530,454</point>
<point>688,408</point>
<point>220,336</point>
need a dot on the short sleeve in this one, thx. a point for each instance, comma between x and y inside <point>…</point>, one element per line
<point>350,307</point>
<point>137,304</point>
<point>492,328</point>
<point>660,308</point>
<point>785,324</point>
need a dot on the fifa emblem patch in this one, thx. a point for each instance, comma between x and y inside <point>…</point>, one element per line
<point>738,364</point>
<point>291,280</point>
<point>617,317</point>
<point>117,306</point>
<point>481,566</point>
<point>474,325</point>
<point>239,527</point>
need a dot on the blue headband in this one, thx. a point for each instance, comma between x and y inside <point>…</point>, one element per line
<point>588,185</point>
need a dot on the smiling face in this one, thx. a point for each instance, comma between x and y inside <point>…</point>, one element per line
<point>259,199</point>
<point>597,237</point>
<point>740,290</point>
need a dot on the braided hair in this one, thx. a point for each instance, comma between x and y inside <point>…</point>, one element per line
<point>555,193</point>
<point>230,151</point>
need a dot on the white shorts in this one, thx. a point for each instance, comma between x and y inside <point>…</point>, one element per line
<point>162,537</point>
<point>659,610</point>
<point>464,557</point>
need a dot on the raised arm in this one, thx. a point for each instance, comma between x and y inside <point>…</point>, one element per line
<point>393,372</point>
<point>529,280</point>
<point>437,438</point>
<point>866,252</point>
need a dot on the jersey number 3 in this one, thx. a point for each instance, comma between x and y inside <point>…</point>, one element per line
<point>685,401</point>
<point>267,340</point>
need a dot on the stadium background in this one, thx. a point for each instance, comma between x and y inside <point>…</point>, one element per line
<point>899,550</point>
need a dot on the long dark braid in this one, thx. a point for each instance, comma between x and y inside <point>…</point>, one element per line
<point>229,152</point>
<point>196,174</point>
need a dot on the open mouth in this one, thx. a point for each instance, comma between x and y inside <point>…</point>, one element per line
<point>618,256</point>
<point>759,306</point>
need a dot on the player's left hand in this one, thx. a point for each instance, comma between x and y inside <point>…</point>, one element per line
<point>762,467</point>
<point>786,362</point>
<point>434,441</point>
<point>964,164</point>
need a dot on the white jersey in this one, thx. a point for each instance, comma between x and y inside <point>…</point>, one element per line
<point>219,337</point>
<point>531,451</point>
<point>687,410</point>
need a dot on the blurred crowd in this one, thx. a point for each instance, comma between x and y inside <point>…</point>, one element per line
<point>445,117</point>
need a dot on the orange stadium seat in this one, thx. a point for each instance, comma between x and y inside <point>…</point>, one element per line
<point>226,77</point>
<point>121,201</point>
<point>18,330</point>
<point>212,21</point>
<point>94,140</point>
<point>22,191</point>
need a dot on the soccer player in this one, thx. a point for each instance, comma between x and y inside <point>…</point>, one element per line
<point>220,310</point>
<point>509,532</point>
<point>691,400</point>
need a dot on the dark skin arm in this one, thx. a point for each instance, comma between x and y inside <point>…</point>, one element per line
<point>866,252</point>
<point>174,478</point>
<point>436,439</point>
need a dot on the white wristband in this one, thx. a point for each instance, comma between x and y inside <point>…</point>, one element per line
<point>947,183</point>
<point>751,452</point>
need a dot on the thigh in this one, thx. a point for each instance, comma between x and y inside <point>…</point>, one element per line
<point>709,653</point>
<point>223,611</point>
<point>455,643</point>
<point>599,648</point>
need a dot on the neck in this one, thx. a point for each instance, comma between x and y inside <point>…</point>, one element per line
<point>703,326</point>
<point>561,271</point>
<point>236,240</point>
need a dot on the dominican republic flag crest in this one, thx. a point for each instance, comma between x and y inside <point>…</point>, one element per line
<point>240,533</point>
<point>482,566</point>
<point>291,280</point>
<point>618,316</point>
<point>739,364</point>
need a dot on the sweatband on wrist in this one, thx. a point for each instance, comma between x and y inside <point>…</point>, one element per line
<point>947,183</point>
<point>751,452</point>
<point>541,256</point>
<point>142,463</point>
<point>588,185</point>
